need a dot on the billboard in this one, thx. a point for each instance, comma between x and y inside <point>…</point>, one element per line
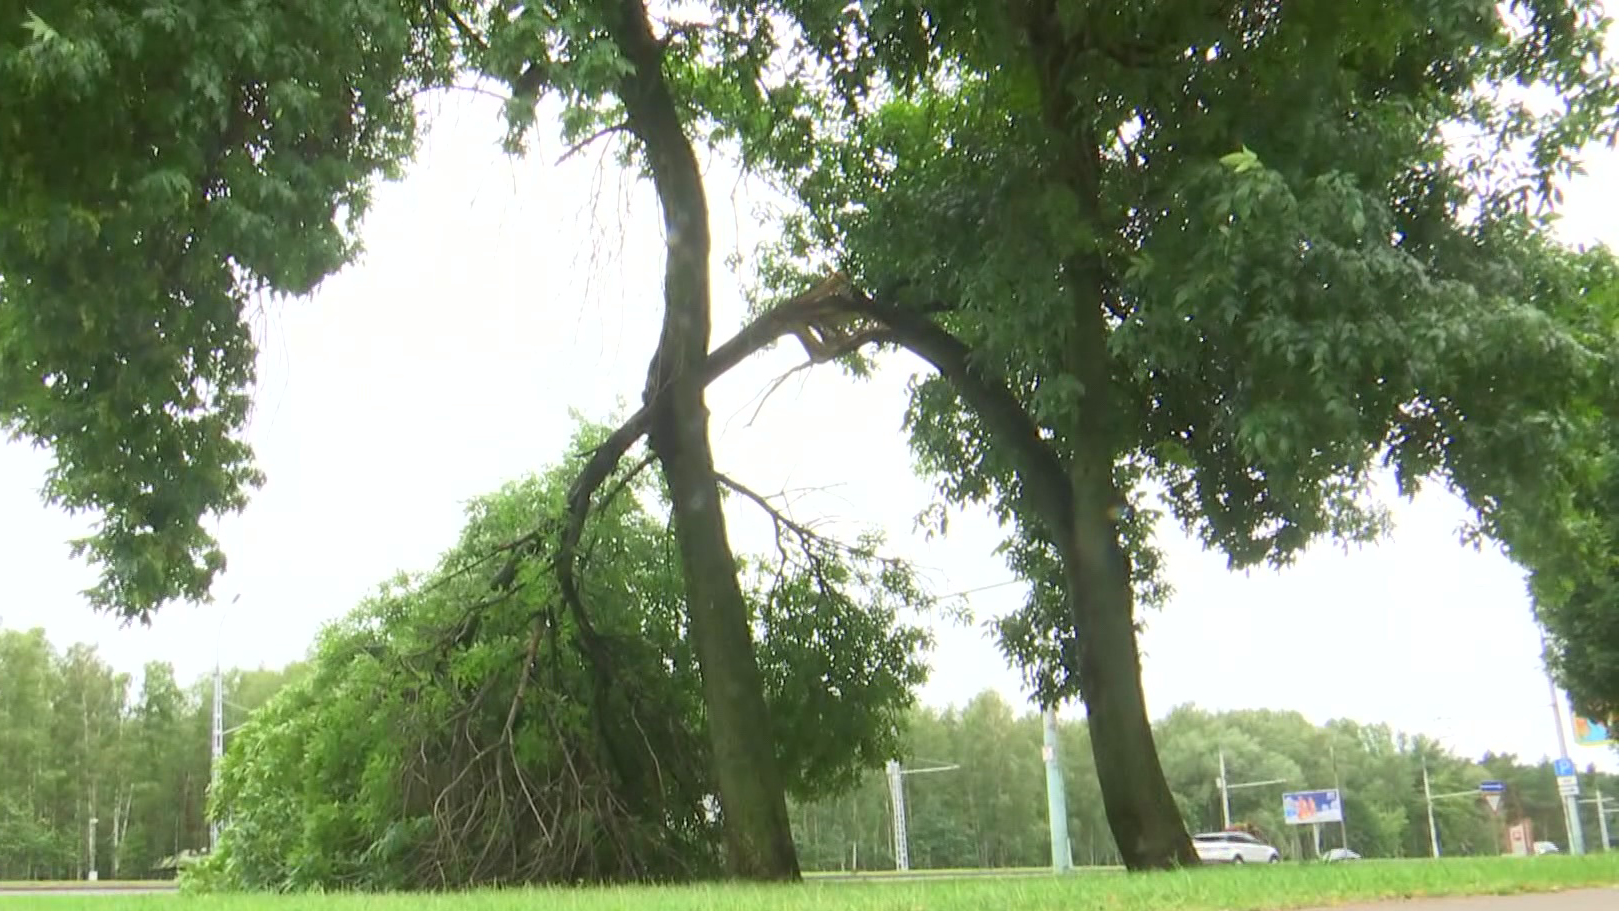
<point>1588,733</point>
<point>1303,808</point>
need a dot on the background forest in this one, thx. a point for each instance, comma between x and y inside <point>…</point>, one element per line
<point>83,740</point>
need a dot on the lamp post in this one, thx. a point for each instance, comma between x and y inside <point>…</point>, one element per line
<point>216,751</point>
<point>1226,787</point>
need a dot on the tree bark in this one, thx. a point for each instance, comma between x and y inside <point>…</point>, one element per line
<point>1141,811</point>
<point>1140,807</point>
<point>753,802</point>
<point>1076,503</point>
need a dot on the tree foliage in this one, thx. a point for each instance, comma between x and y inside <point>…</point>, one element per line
<point>441,739</point>
<point>1301,277</point>
<point>83,741</point>
<point>166,162</point>
<point>1232,259</point>
<point>1220,260</point>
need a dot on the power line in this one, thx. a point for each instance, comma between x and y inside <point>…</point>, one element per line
<point>981,588</point>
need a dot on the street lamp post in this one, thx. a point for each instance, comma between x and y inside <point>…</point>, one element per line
<point>1429,797</point>
<point>1226,787</point>
<point>216,751</point>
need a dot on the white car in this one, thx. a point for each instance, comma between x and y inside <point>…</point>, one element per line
<point>1234,848</point>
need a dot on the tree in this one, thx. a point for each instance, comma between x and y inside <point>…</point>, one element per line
<point>167,161</point>
<point>1379,770</point>
<point>1211,249</point>
<point>1572,551</point>
<point>441,738</point>
<point>1223,257</point>
<point>256,187</point>
<point>28,667</point>
<point>165,749</point>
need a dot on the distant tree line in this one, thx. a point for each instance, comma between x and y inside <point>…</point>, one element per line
<point>81,741</point>
<point>991,812</point>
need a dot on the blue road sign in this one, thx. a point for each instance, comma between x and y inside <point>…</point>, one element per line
<point>1491,787</point>
<point>1563,768</point>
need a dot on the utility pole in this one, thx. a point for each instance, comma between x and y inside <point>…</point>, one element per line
<point>91,845</point>
<point>1062,856</point>
<point>1602,819</point>
<point>1226,787</point>
<point>217,752</point>
<point>1225,795</point>
<point>896,794</point>
<point>1601,803</point>
<point>1571,807</point>
<point>1343,815</point>
<point>1427,796</point>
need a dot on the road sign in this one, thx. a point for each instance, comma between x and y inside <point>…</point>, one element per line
<point>1492,791</point>
<point>1303,808</point>
<point>1518,838</point>
<point>1568,779</point>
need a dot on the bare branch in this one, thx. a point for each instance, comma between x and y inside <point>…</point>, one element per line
<point>804,533</point>
<point>585,143</point>
<point>763,398</point>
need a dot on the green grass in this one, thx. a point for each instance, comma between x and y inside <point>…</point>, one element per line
<point>1254,888</point>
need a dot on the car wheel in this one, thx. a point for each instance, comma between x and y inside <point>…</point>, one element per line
<point>1237,859</point>
<point>1276,858</point>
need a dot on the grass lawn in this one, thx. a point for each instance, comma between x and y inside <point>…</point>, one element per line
<point>1253,888</point>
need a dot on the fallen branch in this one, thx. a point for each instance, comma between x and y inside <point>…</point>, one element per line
<point>830,302</point>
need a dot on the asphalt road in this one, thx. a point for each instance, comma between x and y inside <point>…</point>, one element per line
<point>17,892</point>
<point>1582,900</point>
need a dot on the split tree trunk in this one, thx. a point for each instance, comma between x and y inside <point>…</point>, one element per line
<point>753,804</point>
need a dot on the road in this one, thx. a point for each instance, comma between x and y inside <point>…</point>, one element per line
<point>1581,900</point>
<point>87,889</point>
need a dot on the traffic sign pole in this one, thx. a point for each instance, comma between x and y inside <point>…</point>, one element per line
<point>1568,783</point>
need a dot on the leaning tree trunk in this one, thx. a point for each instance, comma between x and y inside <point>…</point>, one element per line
<point>1140,807</point>
<point>1076,503</point>
<point>753,803</point>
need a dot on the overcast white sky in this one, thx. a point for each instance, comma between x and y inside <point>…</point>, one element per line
<point>497,294</point>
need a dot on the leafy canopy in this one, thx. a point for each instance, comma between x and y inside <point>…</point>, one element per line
<point>166,161</point>
<point>1314,234</point>
<point>380,768</point>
